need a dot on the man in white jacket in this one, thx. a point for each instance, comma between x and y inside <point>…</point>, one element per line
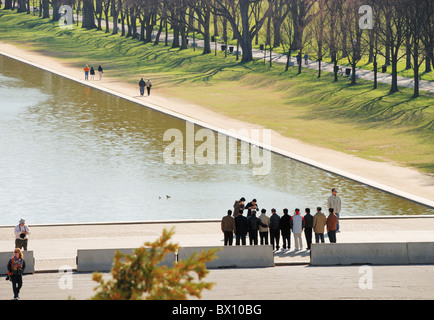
<point>334,202</point>
<point>297,229</point>
<point>21,235</point>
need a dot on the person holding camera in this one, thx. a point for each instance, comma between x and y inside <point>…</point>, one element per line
<point>22,232</point>
<point>16,266</point>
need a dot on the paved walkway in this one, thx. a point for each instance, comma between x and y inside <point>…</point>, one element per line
<point>292,278</point>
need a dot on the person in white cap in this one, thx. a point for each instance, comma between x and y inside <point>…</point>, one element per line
<point>22,232</point>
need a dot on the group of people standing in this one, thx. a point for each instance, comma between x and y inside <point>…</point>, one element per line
<point>91,71</point>
<point>275,227</point>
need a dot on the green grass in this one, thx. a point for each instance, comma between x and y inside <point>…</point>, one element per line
<point>356,119</point>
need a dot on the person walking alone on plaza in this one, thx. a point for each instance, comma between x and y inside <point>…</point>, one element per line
<point>297,229</point>
<point>16,266</point>
<point>319,222</point>
<point>228,228</point>
<point>274,230</point>
<point>22,232</point>
<point>149,86</point>
<point>285,229</point>
<point>263,227</point>
<point>241,228</point>
<point>334,202</point>
<point>332,221</point>
<point>308,224</point>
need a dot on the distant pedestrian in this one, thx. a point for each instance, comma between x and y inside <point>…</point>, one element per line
<point>142,85</point>
<point>228,228</point>
<point>22,232</point>
<point>306,61</point>
<point>149,86</point>
<point>297,229</point>
<point>241,228</point>
<point>86,72</point>
<point>16,266</point>
<point>308,224</point>
<point>319,222</point>
<point>334,202</point>
<point>92,73</point>
<point>252,205</point>
<point>285,229</point>
<point>332,221</point>
<point>253,223</point>
<point>100,71</point>
<point>263,227</point>
<point>238,205</point>
<point>274,229</point>
<point>299,58</point>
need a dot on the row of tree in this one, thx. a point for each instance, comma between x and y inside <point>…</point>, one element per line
<point>334,29</point>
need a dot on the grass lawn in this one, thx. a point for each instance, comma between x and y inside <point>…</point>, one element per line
<point>354,119</point>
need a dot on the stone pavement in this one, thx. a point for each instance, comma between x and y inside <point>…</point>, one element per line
<point>292,278</point>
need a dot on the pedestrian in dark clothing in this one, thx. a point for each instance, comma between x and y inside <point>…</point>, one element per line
<point>274,229</point>
<point>142,85</point>
<point>254,223</point>
<point>251,206</point>
<point>308,224</point>
<point>92,73</point>
<point>263,227</point>
<point>228,228</point>
<point>285,229</point>
<point>100,71</point>
<point>332,221</point>
<point>241,228</point>
<point>16,266</point>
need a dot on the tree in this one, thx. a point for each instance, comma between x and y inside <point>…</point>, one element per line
<point>244,33</point>
<point>138,276</point>
<point>88,15</point>
<point>318,26</point>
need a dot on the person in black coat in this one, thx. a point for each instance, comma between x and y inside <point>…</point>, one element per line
<point>241,228</point>
<point>274,228</point>
<point>308,225</point>
<point>253,223</point>
<point>285,229</point>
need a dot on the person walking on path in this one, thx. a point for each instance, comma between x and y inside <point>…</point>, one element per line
<point>263,227</point>
<point>332,221</point>
<point>319,222</point>
<point>149,86</point>
<point>22,232</point>
<point>297,229</point>
<point>16,266</point>
<point>238,205</point>
<point>92,73</point>
<point>334,202</point>
<point>306,61</point>
<point>308,225</point>
<point>86,72</point>
<point>142,85</point>
<point>285,229</point>
<point>228,228</point>
<point>253,222</point>
<point>241,228</point>
<point>274,230</point>
<point>100,71</point>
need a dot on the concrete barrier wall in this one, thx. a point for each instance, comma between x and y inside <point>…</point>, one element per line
<point>235,256</point>
<point>28,258</point>
<point>101,260</point>
<point>392,253</point>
